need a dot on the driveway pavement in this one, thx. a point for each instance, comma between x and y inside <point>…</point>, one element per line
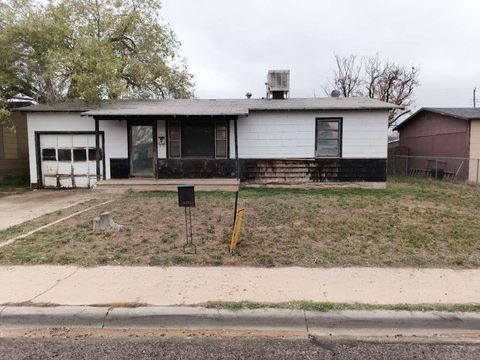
<point>18,208</point>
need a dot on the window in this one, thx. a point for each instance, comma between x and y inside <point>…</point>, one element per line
<point>64,155</point>
<point>79,154</point>
<point>10,145</point>
<point>174,139</point>
<point>49,154</point>
<point>328,137</point>
<point>221,139</point>
<point>92,154</point>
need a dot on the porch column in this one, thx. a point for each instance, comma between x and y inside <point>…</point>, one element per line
<point>97,147</point>
<point>237,167</point>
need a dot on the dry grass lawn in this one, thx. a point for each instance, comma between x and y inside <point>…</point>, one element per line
<point>411,223</point>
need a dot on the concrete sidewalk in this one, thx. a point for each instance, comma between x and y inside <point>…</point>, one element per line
<point>70,285</point>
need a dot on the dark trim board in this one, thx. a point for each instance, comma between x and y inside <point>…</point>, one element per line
<point>277,170</point>
<point>38,154</point>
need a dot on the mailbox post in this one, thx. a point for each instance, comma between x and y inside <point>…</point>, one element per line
<point>186,199</point>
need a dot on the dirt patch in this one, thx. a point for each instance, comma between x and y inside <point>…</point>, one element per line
<point>411,223</point>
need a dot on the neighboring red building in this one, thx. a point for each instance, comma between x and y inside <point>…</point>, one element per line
<point>447,135</point>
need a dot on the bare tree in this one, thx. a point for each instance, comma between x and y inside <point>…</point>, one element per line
<point>347,75</point>
<point>376,79</point>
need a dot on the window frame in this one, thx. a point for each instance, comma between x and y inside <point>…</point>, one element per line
<point>178,124</point>
<point>48,158</point>
<point>222,123</point>
<point>79,150</point>
<point>69,150</point>
<point>339,120</point>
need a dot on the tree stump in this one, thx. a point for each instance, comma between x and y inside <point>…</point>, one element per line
<point>105,222</point>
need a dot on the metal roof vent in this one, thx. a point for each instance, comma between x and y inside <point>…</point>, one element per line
<point>278,84</point>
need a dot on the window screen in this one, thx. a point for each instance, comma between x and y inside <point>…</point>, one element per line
<point>174,139</point>
<point>79,154</point>
<point>221,139</point>
<point>64,155</point>
<point>328,137</point>
<point>49,154</point>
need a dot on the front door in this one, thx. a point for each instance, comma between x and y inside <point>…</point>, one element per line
<point>142,150</point>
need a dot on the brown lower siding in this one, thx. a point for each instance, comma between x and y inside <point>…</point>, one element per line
<point>276,170</point>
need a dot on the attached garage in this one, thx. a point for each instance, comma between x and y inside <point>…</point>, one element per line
<point>68,160</point>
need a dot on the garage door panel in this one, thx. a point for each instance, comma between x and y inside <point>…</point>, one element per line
<point>48,141</point>
<point>50,181</point>
<point>64,168</point>
<point>80,141</point>
<point>91,141</point>
<point>65,181</point>
<point>82,181</point>
<point>80,168</point>
<point>65,141</point>
<point>49,168</point>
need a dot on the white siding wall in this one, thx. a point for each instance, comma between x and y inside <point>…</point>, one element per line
<point>116,141</point>
<point>116,145</point>
<point>292,134</point>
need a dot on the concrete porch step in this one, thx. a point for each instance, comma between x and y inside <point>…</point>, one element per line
<point>142,184</point>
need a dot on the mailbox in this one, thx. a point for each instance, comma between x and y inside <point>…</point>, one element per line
<point>186,196</point>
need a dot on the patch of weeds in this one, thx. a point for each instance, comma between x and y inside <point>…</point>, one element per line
<point>327,306</point>
<point>217,260</point>
<point>265,260</point>
<point>102,259</point>
<point>66,259</point>
<point>169,236</point>
<point>155,260</point>
<point>179,259</point>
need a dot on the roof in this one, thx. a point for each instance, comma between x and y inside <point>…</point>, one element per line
<point>463,113</point>
<point>64,106</point>
<point>190,107</point>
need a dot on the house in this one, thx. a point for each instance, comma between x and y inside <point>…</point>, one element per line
<point>442,140</point>
<point>271,140</point>
<point>13,144</point>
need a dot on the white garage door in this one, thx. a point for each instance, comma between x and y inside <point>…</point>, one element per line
<point>68,160</point>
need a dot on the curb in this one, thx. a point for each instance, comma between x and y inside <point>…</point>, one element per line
<point>258,319</point>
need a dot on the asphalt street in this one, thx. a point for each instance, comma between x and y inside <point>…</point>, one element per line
<point>199,347</point>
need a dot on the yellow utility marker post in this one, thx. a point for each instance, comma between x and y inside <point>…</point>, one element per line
<point>236,230</point>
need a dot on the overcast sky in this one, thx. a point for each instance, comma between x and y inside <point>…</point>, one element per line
<point>230,44</point>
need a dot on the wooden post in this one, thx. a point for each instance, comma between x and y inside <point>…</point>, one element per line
<point>97,147</point>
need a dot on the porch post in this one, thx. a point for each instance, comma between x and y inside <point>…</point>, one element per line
<point>97,147</point>
<point>237,167</point>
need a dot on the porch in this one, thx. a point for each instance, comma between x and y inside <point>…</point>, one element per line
<point>169,147</point>
<point>139,184</point>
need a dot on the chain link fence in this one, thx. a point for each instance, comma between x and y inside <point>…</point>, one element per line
<point>441,168</point>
